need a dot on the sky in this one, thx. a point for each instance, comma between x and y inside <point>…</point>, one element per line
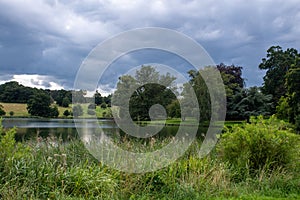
<point>44,42</point>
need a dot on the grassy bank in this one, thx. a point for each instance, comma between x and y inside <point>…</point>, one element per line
<point>49,169</point>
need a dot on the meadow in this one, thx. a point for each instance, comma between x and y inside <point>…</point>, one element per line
<point>259,160</point>
<point>20,110</point>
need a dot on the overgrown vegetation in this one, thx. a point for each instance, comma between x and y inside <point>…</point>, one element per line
<point>259,160</point>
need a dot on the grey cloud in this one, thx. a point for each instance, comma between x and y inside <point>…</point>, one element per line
<point>52,37</point>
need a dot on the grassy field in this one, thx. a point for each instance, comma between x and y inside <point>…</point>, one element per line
<point>20,110</point>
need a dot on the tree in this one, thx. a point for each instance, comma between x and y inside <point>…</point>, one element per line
<point>39,105</point>
<point>2,112</point>
<point>283,108</point>
<point>54,112</point>
<point>61,97</point>
<point>92,106</point>
<point>11,113</point>
<point>66,113</point>
<point>234,83</point>
<point>174,110</point>
<point>78,96</point>
<point>65,102</point>
<point>144,90</point>
<point>13,92</point>
<point>293,90</point>
<point>77,110</point>
<point>103,105</point>
<point>198,85</point>
<point>98,98</point>
<point>250,102</point>
<point>277,63</point>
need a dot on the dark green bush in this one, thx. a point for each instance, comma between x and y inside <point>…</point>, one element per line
<point>259,145</point>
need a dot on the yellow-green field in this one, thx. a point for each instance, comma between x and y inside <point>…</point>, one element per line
<point>20,110</point>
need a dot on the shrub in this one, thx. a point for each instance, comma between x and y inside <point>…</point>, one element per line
<point>65,102</point>
<point>92,106</point>
<point>66,113</point>
<point>2,112</point>
<point>262,144</point>
<point>103,105</point>
<point>77,110</point>
<point>10,150</point>
<point>91,112</point>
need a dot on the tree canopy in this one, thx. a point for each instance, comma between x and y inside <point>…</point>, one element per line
<point>277,63</point>
<point>40,105</point>
<point>144,90</point>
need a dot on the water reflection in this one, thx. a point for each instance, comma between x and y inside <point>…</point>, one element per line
<point>92,129</point>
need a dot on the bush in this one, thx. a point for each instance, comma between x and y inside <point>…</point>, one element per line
<point>65,102</point>
<point>2,112</point>
<point>103,105</point>
<point>77,110</point>
<point>66,113</point>
<point>260,145</point>
<point>92,106</point>
<point>91,112</point>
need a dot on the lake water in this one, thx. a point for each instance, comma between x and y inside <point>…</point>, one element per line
<point>29,128</point>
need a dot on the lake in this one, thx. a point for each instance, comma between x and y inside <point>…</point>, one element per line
<point>29,128</point>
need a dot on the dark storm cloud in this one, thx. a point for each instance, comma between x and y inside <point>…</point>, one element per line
<point>52,37</point>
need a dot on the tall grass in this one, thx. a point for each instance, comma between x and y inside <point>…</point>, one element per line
<point>45,170</point>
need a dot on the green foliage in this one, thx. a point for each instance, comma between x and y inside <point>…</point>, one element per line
<point>2,112</point>
<point>103,105</point>
<point>283,109</point>
<point>91,112</point>
<point>66,113</point>
<point>77,110</point>
<point>198,85</point>
<point>92,106</point>
<point>277,63</point>
<point>78,96</point>
<point>40,105</point>
<point>293,90</point>
<point>174,110</point>
<point>144,90</point>
<point>11,113</point>
<point>249,102</point>
<point>61,97</point>
<point>260,145</point>
<point>98,98</point>
<point>13,92</point>
<point>65,102</point>
<point>10,151</point>
<point>38,169</point>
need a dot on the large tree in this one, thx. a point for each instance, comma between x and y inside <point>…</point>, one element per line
<point>277,63</point>
<point>145,89</point>
<point>293,91</point>
<point>98,98</point>
<point>40,105</point>
<point>250,102</point>
<point>234,84</point>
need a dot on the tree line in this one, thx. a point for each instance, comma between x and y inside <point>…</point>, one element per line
<point>44,102</point>
<point>279,94</point>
